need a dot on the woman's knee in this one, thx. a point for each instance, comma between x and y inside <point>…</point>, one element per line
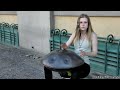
<point>84,70</point>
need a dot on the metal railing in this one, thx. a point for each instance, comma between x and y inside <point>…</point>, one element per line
<point>9,34</point>
<point>108,59</point>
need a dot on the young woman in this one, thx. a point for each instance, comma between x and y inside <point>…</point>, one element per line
<point>85,42</point>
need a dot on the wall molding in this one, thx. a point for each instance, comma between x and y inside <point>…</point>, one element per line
<point>8,12</point>
<point>90,13</point>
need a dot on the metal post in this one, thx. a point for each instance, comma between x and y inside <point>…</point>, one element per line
<point>118,58</point>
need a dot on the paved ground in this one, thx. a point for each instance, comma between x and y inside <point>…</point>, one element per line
<point>21,63</point>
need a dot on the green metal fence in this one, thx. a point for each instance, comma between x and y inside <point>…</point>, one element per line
<point>9,34</point>
<point>107,60</point>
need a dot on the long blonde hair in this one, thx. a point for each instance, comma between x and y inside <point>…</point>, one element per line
<point>78,30</point>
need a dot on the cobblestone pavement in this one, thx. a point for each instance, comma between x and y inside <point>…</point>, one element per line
<point>21,63</point>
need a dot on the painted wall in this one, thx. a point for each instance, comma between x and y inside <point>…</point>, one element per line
<point>8,19</point>
<point>103,26</point>
<point>34,30</point>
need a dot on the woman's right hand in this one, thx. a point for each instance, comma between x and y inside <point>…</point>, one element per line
<point>64,46</point>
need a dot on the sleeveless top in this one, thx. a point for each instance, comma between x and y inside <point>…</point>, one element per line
<point>84,46</point>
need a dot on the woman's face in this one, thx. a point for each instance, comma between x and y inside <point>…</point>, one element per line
<point>83,23</point>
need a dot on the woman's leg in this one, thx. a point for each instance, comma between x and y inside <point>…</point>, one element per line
<point>84,70</point>
<point>77,73</point>
<point>81,71</point>
<point>48,73</point>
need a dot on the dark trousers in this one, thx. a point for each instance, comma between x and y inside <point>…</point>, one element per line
<point>47,73</point>
<point>76,73</point>
<point>81,71</point>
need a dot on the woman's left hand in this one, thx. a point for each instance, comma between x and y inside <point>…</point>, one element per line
<point>82,53</point>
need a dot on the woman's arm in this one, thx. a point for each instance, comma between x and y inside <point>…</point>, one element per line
<point>69,42</point>
<point>94,47</point>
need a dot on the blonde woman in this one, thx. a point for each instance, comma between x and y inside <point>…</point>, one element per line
<point>85,42</point>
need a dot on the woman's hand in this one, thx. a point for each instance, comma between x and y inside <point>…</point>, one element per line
<point>82,53</point>
<point>64,46</point>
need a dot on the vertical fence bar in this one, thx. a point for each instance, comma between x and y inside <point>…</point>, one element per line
<point>62,33</point>
<point>52,41</point>
<point>18,38</point>
<point>118,58</point>
<point>105,56</point>
<point>4,32</point>
<point>16,34</point>
<point>0,35</point>
<point>57,32</point>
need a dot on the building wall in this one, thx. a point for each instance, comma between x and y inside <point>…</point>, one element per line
<point>103,26</point>
<point>8,18</point>
<point>34,30</point>
<point>34,26</point>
